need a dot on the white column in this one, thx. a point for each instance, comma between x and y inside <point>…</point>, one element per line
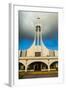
<point>48,67</point>
<point>26,68</point>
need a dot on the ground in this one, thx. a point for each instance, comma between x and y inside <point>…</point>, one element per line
<point>38,74</point>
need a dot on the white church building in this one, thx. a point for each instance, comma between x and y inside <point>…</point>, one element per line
<point>38,57</point>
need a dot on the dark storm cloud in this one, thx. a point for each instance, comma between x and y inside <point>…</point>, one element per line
<point>28,21</point>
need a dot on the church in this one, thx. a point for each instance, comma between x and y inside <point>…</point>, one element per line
<point>38,58</point>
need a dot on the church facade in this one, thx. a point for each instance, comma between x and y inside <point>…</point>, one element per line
<point>38,58</point>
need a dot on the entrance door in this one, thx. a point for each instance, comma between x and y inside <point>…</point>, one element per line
<point>38,67</point>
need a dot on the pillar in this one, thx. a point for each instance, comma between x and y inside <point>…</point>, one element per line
<point>25,68</point>
<point>48,67</point>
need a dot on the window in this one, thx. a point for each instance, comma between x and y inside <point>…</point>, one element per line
<point>37,54</point>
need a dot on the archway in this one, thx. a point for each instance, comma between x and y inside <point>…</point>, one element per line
<point>37,66</point>
<point>54,65</point>
<point>21,66</point>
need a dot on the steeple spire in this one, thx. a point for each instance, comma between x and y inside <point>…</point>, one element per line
<point>38,32</point>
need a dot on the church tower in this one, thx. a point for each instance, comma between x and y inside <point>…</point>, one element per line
<point>40,49</point>
<point>38,38</point>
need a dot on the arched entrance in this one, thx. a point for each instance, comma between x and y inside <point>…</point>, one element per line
<point>21,66</point>
<point>37,66</point>
<point>54,65</point>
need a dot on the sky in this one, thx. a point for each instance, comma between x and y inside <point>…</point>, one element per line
<point>27,21</point>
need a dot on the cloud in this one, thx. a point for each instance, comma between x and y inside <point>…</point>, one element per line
<point>28,21</point>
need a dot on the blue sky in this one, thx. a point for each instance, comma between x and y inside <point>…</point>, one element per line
<point>49,27</point>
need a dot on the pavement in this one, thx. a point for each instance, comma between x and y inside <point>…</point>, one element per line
<point>38,74</point>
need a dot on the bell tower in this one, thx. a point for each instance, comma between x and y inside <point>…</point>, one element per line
<point>38,38</point>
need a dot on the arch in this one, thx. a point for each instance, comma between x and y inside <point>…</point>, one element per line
<point>21,66</point>
<point>54,65</point>
<point>23,62</point>
<point>37,66</point>
<point>32,61</point>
